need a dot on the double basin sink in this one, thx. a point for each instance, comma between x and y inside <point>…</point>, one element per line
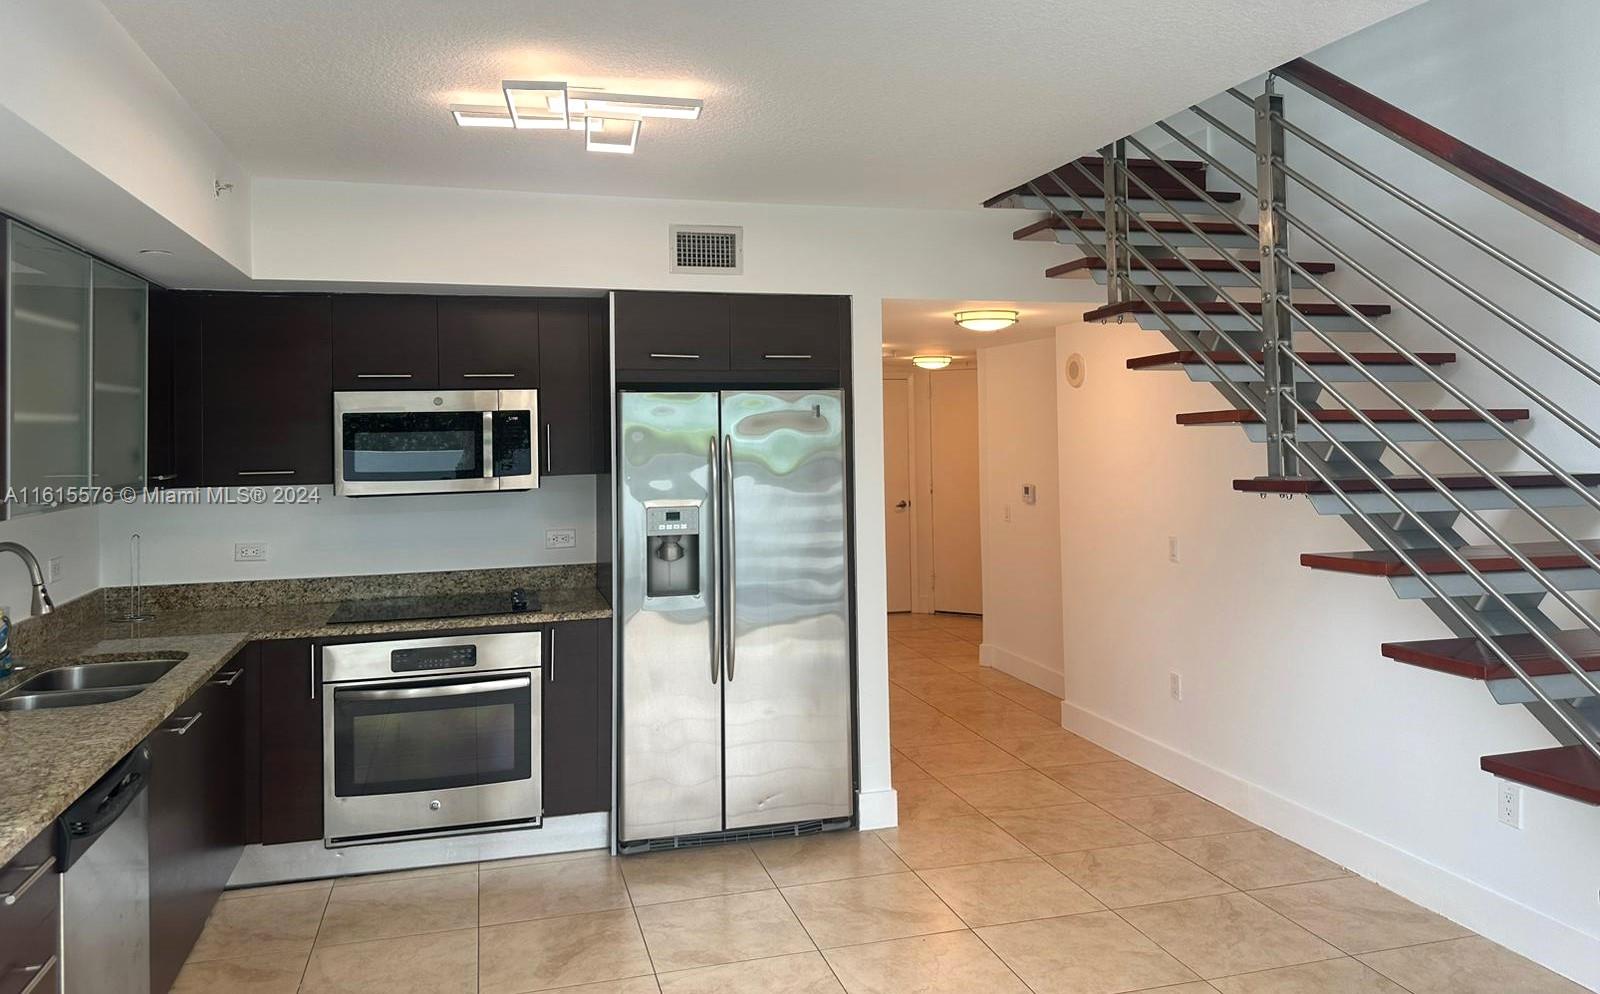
<point>87,683</point>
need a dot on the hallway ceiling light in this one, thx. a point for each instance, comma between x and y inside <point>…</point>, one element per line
<point>931,361</point>
<point>610,122</point>
<point>986,320</point>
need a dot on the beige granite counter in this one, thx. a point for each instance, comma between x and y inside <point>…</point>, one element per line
<point>48,758</point>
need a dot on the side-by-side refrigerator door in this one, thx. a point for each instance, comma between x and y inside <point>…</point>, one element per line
<point>671,736</point>
<point>786,666</point>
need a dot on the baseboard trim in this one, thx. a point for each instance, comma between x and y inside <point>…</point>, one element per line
<point>1027,670</point>
<point>1522,929</point>
<point>878,809</point>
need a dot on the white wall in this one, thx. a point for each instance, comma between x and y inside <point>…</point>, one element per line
<point>1290,714</point>
<point>1021,542</point>
<point>71,535</point>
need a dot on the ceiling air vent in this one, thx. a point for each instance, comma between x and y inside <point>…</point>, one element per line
<point>707,249</point>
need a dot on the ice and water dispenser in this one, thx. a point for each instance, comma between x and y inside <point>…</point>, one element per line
<point>672,540</point>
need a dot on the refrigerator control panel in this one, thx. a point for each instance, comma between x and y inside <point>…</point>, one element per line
<point>682,520</point>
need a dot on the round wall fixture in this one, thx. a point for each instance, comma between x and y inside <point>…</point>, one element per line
<point>931,361</point>
<point>986,320</point>
<point>1075,370</point>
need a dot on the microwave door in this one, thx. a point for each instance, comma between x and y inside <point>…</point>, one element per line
<point>415,442</point>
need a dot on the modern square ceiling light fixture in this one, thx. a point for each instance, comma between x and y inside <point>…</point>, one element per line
<point>610,122</point>
<point>988,320</point>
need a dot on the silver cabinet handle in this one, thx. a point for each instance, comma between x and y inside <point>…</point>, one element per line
<point>547,447</point>
<point>229,679</point>
<point>779,356</point>
<point>383,376</point>
<point>313,672</point>
<point>39,972</point>
<point>552,655</point>
<point>27,885</point>
<point>423,693</point>
<point>163,477</point>
<point>730,543</point>
<point>266,472</point>
<point>488,376</point>
<point>182,728</point>
<point>674,355</point>
<point>713,534</point>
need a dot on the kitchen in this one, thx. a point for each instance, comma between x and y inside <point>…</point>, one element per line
<point>166,742</point>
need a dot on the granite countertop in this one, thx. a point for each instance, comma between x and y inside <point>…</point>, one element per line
<point>48,758</point>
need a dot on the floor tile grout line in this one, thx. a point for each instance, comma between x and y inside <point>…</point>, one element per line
<point>323,917</point>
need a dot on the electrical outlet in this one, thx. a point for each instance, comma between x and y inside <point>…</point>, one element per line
<point>250,552</point>
<point>56,568</point>
<point>1172,548</point>
<point>561,538</point>
<point>1175,685</point>
<point>1510,803</point>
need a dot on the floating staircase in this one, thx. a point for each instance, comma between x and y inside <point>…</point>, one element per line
<point>1170,241</point>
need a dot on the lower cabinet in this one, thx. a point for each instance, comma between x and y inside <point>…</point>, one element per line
<point>30,910</point>
<point>197,815</point>
<point>290,722</point>
<point>577,719</point>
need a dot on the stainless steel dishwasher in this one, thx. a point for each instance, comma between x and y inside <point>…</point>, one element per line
<point>103,848</point>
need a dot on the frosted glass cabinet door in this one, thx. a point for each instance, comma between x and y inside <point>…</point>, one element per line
<point>119,309</point>
<point>47,327</point>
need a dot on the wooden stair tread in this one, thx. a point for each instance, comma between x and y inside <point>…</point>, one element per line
<point>1222,308</point>
<point>1166,226</point>
<point>1188,357</point>
<point>1571,771</point>
<point>1434,562</point>
<point>1472,657</point>
<point>1151,173</point>
<point>1088,263</point>
<point>1383,416</point>
<point>1407,484</point>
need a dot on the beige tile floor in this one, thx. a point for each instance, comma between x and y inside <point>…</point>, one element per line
<point>1027,860</point>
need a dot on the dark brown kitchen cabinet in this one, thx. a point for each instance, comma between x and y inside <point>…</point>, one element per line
<point>385,342</point>
<point>30,902</point>
<point>290,770</point>
<point>173,390</point>
<point>197,815</point>
<point>268,387</point>
<point>787,331</point>
<point>488,343</point>
<point>685,332</point>
<point>568,380</point>
<point>577,720</point>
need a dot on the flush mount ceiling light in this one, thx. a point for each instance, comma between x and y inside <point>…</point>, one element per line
<point>986,320</point>
<point>931,361</point>
<point>610,122</point>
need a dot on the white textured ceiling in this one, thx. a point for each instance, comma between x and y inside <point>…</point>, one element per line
<point>919,103</point>
<point>928,327</point>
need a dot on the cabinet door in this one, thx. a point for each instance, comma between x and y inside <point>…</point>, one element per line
<point>268,390</point>
<point>291,742</point>
<point>488,343</point>
<point>173,390</point>
<point>385,342</point>
<point>48,364</point>
<point>28,944</point>
<point>672,331</point>
<point>574,734</point>
<point>566,387</point>
<point>119,313</point>
<point>787,331</point>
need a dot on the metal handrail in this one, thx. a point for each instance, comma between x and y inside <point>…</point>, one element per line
<point>1376,478</point>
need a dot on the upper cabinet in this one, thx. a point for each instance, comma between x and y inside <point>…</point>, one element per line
<point>385,342</point>
<point>268,389</point>
<point>120,311</point>
<point>568,384</point>
<point>488,343</point>
<point>684,332</point>
<point>787,331</point>
<point>731,338</point>
<point>175,403</point>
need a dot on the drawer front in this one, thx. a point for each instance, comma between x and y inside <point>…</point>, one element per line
<point>672,331</point>
<point>28,925</point>
<point>787,331</point>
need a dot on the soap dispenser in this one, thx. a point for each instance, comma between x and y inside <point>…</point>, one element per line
<point>8,664</point>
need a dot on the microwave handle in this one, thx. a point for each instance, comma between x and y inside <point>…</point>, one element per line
<point>488,444</point>
<point>447,690</point>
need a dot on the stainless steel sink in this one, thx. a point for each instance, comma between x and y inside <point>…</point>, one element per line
<point>65,698</point>
<point>137,673</point>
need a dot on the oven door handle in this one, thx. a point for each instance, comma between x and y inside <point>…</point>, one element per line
<point>447,690</point>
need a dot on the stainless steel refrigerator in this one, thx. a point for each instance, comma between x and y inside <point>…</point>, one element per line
<point>734,609</point>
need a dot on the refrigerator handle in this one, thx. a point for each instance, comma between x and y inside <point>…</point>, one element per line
<point>714,537</point>
<point>727,546</point>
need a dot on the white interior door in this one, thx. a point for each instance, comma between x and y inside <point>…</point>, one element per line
<point>953,449</point>
<point>897,490</point>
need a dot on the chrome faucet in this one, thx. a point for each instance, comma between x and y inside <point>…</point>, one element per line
<point>41,596</point>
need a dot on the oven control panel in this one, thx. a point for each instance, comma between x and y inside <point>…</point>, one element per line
<point>433,657</point>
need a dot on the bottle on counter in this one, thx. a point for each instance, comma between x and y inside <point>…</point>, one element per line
<point>7,663</point>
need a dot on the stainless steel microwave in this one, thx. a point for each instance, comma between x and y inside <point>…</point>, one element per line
<point>434,441</point>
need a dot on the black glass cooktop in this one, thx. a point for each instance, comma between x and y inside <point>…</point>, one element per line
<point>434,606</point>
